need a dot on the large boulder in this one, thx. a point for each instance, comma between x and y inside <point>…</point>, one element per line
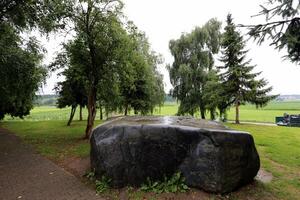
<point>211,157</point>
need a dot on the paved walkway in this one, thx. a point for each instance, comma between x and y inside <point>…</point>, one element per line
<point>256,123</point>
<point>26,175</point>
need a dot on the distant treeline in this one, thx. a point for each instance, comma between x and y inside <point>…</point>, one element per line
<point>292,97</point>
<point>46,100</point>
<point>51,100</point>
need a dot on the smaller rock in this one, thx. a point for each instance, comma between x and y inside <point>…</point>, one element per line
<point>264,176</point>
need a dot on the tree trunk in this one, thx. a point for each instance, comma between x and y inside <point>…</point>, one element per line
<point>91,112</point>
<point>73,110</point>
<point>202,112</point>
<point>126,110</point>
<point>212,114</point>
<point>237,112</point>
<point>101,112</point>
<point>80,113</point>
<point>222,115</point>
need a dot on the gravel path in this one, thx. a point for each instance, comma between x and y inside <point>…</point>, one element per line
<point>26,175</point>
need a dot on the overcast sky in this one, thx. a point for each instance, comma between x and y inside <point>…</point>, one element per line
<point>163,20</point>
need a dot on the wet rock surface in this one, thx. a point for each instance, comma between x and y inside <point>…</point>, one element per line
<point>210,156</point>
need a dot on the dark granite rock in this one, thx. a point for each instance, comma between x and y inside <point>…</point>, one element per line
<point>210,156</point>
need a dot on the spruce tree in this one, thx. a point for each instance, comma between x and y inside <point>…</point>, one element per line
<point>240,83</point>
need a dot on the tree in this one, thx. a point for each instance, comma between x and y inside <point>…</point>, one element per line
<point>71,92</point>
<point>193,60</point>
<point>21,71</point>
<point>97,29</point>
<point>109,98</point>
<point>106,56</point>
<point>240,84</point>
<point>285,33</point>
<point>43,14</point>
<point>212,94</point>
<point>141,86</point>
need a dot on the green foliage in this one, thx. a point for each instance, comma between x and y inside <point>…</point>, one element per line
<point>193,62</point>
<point>71,91</point>
<point>174,184</point>
<point>141,85</point>
<point>102,185</point>
<point>113,63</point>
<point>284,33</point>
<point>20,64</point>
<point>95,48</point>
<point>43,14</point>
<point>239,84</point>
<point>21,72</point>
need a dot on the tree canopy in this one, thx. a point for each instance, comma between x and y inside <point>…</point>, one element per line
<point>21,69</point>
<point>115,63</point>
<point>193,62</point>
<point>71,91</point>
<point>21,72</point>
<point>141,85</point>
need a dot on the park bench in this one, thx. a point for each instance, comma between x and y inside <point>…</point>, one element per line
<point>288,120</point>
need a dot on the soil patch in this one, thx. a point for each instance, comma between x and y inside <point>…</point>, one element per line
<point>76,166</point>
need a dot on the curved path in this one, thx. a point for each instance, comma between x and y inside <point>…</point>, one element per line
<point>26,175</point>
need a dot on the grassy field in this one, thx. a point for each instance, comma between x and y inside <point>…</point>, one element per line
<point>279,147</point>
<point>279,150</point>
<point>52,139</point>
<point>268,113</point>
<point>247,112</point>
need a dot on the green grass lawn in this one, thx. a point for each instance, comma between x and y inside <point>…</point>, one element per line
<point>52,139</point>
<point>279,149</point>
<point>247,112</point>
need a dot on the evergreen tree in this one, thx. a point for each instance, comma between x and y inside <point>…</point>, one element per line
<point>240,84</point>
